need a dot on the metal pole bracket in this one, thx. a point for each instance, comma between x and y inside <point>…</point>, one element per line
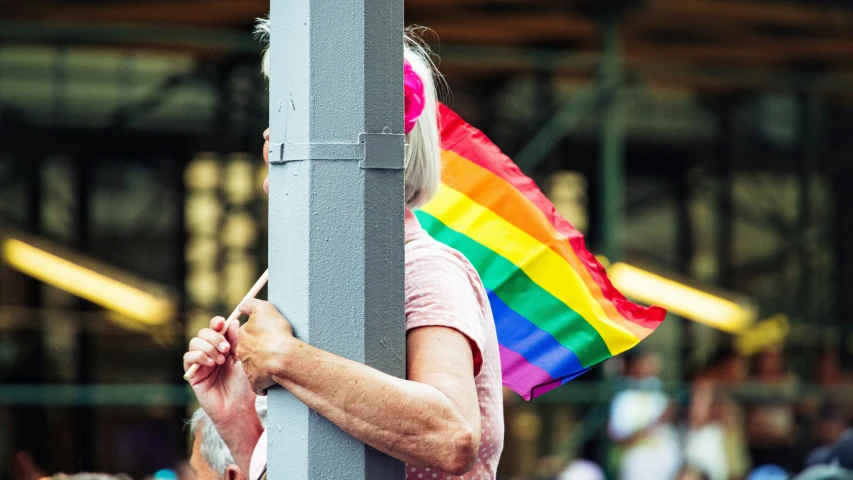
<point>294,152</point>
<point>383,150</point>
<point>374,150</point>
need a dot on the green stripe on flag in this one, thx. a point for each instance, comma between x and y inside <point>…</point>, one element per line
<point>523,295</point>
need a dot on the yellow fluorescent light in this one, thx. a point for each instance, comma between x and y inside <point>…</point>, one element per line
<point>680,299</point>
<point>85,283</point>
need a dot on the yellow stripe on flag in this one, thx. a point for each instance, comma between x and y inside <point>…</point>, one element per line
<point>544,266</point>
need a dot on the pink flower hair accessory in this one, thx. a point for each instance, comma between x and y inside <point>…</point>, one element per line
<point>414,96</point>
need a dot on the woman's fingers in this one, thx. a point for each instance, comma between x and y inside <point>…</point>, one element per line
<point>216,339</point>
<point>209,348</point>
<point>197,344</point>
<point>197,357</point>
<point>216,323</point>
<point>229,338</point>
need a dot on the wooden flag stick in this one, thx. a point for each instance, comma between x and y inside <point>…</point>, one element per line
<point>253,292</point>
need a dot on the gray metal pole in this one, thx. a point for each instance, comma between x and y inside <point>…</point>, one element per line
<point>336,212</point>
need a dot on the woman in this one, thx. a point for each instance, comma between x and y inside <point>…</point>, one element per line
<point>445,419</point>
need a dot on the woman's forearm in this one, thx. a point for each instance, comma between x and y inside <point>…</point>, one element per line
<point>241,435</point>
<point>411,421</point>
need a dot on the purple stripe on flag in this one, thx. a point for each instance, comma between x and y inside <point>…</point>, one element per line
<point>520,375</point>
<point>537,346</point>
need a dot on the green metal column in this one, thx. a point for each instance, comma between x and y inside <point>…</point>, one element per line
<point>810,133</point>
<point>726,157</point>
<point>612,145</point>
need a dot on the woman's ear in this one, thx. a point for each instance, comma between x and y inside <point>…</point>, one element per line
<point>233,472</point>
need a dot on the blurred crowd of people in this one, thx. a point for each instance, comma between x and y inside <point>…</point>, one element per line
<point>743,419</point>
<point>209,457</point>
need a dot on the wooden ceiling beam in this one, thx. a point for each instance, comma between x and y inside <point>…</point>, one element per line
<point>513,29</point>
<point>432,5</point>
<point>691,32</point>
<point>720,12</point>
<point>747,53</point>
<point>209,13</point>
<point>648,24</point>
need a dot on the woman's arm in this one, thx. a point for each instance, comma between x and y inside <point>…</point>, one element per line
<point>432,419</point>
<point>223,389</point>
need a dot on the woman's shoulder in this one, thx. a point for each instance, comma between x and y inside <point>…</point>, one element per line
<point>426,253</point>
<point>444,289</point>
<point>429,261</point>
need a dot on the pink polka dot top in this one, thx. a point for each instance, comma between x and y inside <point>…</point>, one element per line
<point>444,290</point>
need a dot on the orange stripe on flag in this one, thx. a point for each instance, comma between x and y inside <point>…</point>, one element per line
<point>496,194</point>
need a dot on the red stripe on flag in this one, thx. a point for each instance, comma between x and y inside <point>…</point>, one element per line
<point>466,141</point>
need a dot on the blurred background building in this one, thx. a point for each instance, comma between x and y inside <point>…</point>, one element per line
<point>705,140</point>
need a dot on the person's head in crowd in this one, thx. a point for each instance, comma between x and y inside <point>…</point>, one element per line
<point>821,455</point>
<point>831,424</point>
<point>210,458</point>
<point>634,412</point>
<point>89,476</point>
<point>640,363</point>
<point>825,472</point>
<point>726,365</point>
<point>842,455</point>
<point>770,365</point>
<point>768,472</point>
<point>582,470</point>
<point>829,371</point>
<point>691,472</point>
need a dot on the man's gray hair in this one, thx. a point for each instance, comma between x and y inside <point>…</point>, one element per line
<point>213,448</point>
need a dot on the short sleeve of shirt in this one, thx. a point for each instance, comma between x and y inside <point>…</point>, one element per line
<point>440,293</point>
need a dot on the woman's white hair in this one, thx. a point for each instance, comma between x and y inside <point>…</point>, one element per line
<point>422,176</point>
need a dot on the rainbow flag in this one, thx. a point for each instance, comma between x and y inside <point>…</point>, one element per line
<point>556,313</point>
